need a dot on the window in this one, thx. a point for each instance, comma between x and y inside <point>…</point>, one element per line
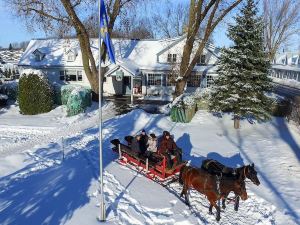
<point>174,57</point>
<point>169,58</point>
<point>171,79</point>
<point>201,60</point>
<point>38,57</point>
<point>209,81</point>
<point>194,81</point>
<point>62,75</point>
<point>71,57</point>
<point>154,79</point>
<point>79,75</point>
<point>70,75</point>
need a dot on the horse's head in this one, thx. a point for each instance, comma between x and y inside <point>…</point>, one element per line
<point>251,174</point>
<point>240,189</point>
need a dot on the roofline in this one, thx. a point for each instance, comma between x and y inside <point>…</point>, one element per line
<point>170,46</point>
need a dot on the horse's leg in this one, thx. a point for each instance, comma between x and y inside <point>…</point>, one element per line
<point>210,209</point>
<point>224,201</point>
<point>187,199</point>
<point>213,203</point>
<point>185,193</point>
<point>218,216</point>
<point>236,203</point>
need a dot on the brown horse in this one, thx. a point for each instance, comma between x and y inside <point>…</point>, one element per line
<point>212,186</point>
<point>243,172</point>
<point>216,168</point>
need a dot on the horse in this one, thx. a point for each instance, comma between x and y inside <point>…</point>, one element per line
<point>216,168</point>
<point>212,186</point>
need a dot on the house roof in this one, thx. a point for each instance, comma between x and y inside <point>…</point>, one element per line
<point>287,58</point>
<point>130,54</point>
<point>7,56</point>
<point>286,67</point>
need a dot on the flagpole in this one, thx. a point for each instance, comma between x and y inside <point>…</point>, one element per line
<point>102,203</point>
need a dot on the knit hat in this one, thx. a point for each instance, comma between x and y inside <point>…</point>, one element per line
<point>152,135</point>
<point>166,133</point>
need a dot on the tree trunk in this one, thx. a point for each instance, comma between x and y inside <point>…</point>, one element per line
<point>180,85</point>
<point>236,122</point>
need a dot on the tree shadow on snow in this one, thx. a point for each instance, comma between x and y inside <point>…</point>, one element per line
<point>185,143</point>
<point>285,134</point>
<point>43,193</point>
<point>49,196</point>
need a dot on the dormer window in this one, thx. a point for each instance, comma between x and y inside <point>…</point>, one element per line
<point>71,58</point>
<point>169,58</point>
<point>172,58</point>
<point>71,55</point>
<point>39,56</point>
<point>201,60</point>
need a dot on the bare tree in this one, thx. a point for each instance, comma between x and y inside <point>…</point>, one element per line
<point>171,20</point>
<point>206,15</point>
<point>63,16</point>
<point>134,25</point>
<point>282,21</point>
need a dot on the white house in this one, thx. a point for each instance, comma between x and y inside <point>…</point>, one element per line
<point>144,67</point>
<point>286,67</point>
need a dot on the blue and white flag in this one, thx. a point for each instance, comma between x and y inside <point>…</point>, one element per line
<point>104,32</point>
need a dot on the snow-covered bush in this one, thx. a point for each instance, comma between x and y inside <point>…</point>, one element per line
<point>66,91</point>
<point>185,101</point>
<point>10,88</point>
<point>35,93</point>
<point>80,98</point>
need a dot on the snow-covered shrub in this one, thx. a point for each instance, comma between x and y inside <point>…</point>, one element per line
<point>189,101</point>
<point>66,91</point>
<point>80,98</point>
<point>10,88</point>
<point>35,93</point>
<point>185,101</point>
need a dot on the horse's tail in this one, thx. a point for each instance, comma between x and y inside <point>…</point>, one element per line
<point>181,173</point>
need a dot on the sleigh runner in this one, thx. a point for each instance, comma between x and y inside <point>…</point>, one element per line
<point>153,166</point>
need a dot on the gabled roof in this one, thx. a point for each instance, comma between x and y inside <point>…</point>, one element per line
<point>132,54</point>
<point>172,42</point>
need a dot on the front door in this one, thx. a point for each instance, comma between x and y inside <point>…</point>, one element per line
<point>126,85</point>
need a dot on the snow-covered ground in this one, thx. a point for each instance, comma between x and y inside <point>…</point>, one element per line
<point>38,187</point>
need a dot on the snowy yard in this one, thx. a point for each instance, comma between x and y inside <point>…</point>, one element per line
<point>37,187</point>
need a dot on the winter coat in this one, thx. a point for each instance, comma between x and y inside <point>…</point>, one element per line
<point>135,145</point>
<point>144,142</point>
<point>167,145</point>
<point>152,144</point>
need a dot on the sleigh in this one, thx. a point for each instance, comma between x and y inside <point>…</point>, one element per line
<point>153,167</point>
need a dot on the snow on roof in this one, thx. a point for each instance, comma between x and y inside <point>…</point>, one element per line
<point>7,56</point>
<point>287,58</point>
<point>132,54</point>
<point>286,67</point>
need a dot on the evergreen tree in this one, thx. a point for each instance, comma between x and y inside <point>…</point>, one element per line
<point>10,47</point>
<point>243,70</point>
